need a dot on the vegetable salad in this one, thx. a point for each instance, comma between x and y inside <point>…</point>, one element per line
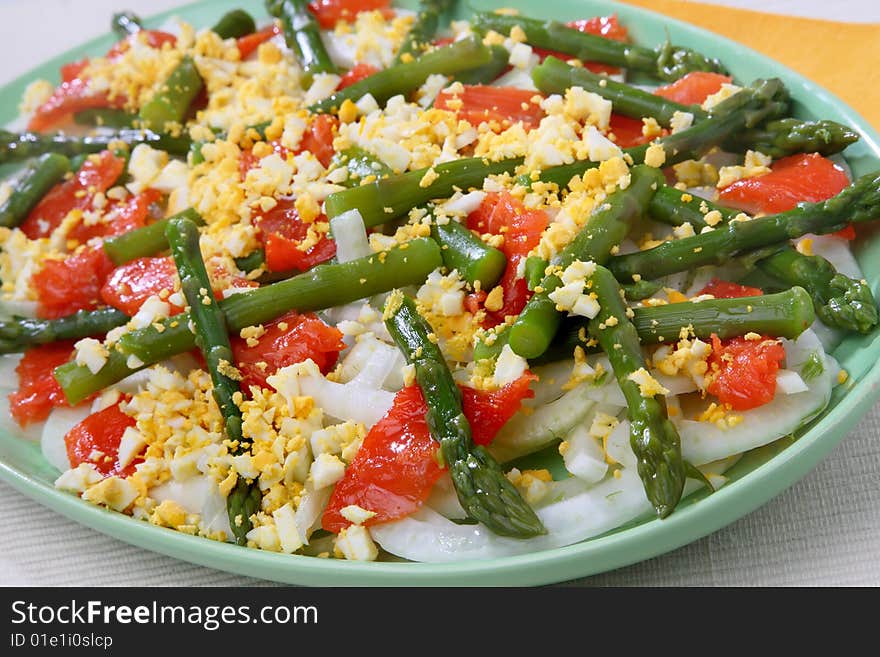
<point>332,278</point>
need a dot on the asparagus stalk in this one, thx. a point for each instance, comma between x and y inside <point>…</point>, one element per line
<point>423,29</point>
<point>146,241</point>
<point>783,314</point>
<point>666,62</point>
<point>776,138</point>
<point>234,24</point>
<point>840,301</point>
<point>763,100</point>
<point>654,439</point>
<point>859,202</point>
<point>212,340</point>
<point>21,333</point>
<point>303,37</point>
<point>405,78</point>
<point>321,287</point>
<point>553,76</point>
<point>534,328</point>
<point>35,181</point>
<point>361,164</point>
<point>126,23</point>
<point>392,197</point>
<point>171,103</point>
<point>499,60</point>
<point>21,146</point>
<point>253,260</point>
<point>483,490</point>
<point>787,136</point>
<point>475,260</point>
<point>105,117</point>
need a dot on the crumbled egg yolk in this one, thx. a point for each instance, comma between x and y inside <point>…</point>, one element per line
<point>648,385</point>
<point>688,357</point>
<point>755,164</point>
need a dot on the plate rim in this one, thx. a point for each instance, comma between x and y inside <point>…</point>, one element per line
<point>582,559</point>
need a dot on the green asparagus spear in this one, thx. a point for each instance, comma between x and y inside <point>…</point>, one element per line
<point>666,62</point>
<point>20,333</point>
<point>251,261</point>
<point>859,202</point>
<point>775,138</point>
<point>783,314</point>
<point>462,250</point>
<point>21,146</point>
<point>126,23</point>
<point>418,40</point>
<point>483,490</point>
<point>212,339</point>
<point>321,287</point>
<point>499,60</point>
<point>360,164</point>
<point>171,103</point>
<point>841,302</point>
<point>33,184</point>
<point>553,76</point>
<point>234,24</point>
<point>105,117</point>
<point>788,136</point>
<point>653,438</point>
<point>533,330</point>
<point>303,37</point>
<point>405,78</point>
<point>392,197</point>
<point>146,241</point>
<point>763,100</point>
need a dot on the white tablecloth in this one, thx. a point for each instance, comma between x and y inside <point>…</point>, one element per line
<point>824,531</point>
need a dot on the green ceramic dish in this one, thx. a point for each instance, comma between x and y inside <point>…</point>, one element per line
<point>757,478</point>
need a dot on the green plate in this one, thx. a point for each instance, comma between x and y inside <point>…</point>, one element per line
<point>757,478</point>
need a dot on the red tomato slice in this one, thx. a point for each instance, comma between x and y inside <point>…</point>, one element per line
<point>281,231</point>
<point>627,131</point>
<point>126,216</point>
<point>506,105</point>
<point>744,371</point>
<point>693,88</point>
<point>793,179</point>
<point>848,233</point>
<point>71,71</point>
<point>250,42</point>
<point>727,290</point>
<point>318,139</point>
<point>68,98</point>
<point>38,391</point>
<point>359,72</point>
<point>329,12</point>
<point>487,412</point>
<point>96,440</point>
<point>134,282</point>
<point>74,283</point>
<point>292,338</point>
<point>501,213</point>
<point>604,26</point>
<point>395,468</point>
<point>95,175</point>
<point>397,465</point>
